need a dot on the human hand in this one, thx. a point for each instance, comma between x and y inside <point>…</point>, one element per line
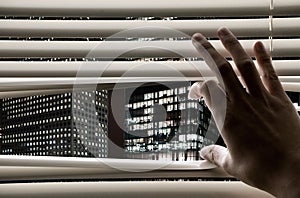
<point>261,127</point>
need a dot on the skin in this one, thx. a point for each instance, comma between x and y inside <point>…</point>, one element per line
<point>261,127</point>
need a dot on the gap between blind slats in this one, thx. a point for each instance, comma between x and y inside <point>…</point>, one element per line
<point>128,49</point>
<point>140,28</point>
<point>119,8</point>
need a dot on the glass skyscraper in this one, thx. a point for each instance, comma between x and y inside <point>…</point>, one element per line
<point>163,123</point>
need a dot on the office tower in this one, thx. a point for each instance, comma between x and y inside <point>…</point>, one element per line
<point>163,123</point>
<point>68,124</point>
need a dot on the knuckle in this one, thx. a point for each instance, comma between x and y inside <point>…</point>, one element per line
<point>271,75</point>
<point>224,68</point>
<point>230,41</point>
<point>206,45</point>
<point>247,63</point>
<point>265,59</point>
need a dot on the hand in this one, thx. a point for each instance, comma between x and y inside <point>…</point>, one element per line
<point>261,127</point>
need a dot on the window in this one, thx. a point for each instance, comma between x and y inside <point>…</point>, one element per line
<point>44,50</point>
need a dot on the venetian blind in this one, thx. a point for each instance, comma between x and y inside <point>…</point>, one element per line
<point>47,46</point>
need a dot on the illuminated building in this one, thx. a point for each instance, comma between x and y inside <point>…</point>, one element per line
<point>163,123</point>
<point>55,125</point>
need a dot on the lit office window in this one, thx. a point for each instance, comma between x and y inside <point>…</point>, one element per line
<point>161,124</point>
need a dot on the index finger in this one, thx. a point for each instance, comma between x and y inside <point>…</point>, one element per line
<point>219,65</point>
<point>243,62</point>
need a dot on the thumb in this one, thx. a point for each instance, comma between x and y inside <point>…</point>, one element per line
<point>215,154</point>
<point>215,98</point>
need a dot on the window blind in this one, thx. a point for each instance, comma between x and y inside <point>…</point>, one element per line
<point>44,45</point>
<point>43,30</point>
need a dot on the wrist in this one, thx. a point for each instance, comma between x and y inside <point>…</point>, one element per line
<point>285,181</point>
<point>291,185</point>
<point>292,189</point>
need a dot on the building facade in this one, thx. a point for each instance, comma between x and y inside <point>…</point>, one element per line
<point>68,124</point>
<point>162,123</point>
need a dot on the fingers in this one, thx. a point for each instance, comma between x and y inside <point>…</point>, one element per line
<point>219,65</point>
<point>214,97</point>
<point>243,62</point>
<point>269,75</point>
<point>216,155</point>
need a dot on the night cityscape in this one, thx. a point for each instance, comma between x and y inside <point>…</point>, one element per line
<point>160,122</point>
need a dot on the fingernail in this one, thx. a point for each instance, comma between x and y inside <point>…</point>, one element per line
<point>223,32</point>
<point>203,152</point>
<point>198,37</point>
<point>259,46</point>
<point>194,92</point>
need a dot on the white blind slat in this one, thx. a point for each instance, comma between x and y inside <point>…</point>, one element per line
<point>119,8</point>
<point>281,48</point>
<point>286,26</point>
<point>125,69</point>
<point>41,172</point>
<point>286,7</point>
<point>147,189</point>
<point>291,86</point>
<point>105,163</point>
<point>147,8</point>
<point>286,48</point>
<point>155,28</point>
<point>103,49</point>
<point>72,84</point>
<point>291,79</point>
<point>288,86</point>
